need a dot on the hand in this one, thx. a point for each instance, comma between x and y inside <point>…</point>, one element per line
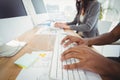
<point>89,60</point>
<point>62,25</point>
<point>71,39</point>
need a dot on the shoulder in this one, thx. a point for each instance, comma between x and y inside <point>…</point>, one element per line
<point>95,3</point>
<point>94,7</point>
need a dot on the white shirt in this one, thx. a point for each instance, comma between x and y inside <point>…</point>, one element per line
<point>82,18</point>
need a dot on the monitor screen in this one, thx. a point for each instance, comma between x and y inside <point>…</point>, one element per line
<point>39,6</point>
<point>11,8</point>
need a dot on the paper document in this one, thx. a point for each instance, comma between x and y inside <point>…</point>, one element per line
<point>39,70</point>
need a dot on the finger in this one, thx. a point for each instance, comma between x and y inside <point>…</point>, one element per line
<point>70,55</point>
<point>70,50</point>
<point>66,52</point>
<point>66,38</point>
<point>67,43</point>
<point>71,66</point>
<point>56,24</point>
<point>79,65</point>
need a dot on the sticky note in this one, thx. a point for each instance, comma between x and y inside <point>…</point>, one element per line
<point>26,60</point>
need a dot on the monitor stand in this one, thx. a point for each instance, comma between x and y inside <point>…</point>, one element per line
<point>6,50</point>
<point>11,48</point>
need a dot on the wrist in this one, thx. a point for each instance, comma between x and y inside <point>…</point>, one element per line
<point>87,42</point>
<point>67,27</point>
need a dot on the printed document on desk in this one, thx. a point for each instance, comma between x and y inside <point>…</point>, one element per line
<point>39,70</point>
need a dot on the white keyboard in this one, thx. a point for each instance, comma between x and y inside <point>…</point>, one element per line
<point>58,73</point>
<point>8,50</point>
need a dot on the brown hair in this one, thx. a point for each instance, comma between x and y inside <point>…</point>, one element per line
<point>82,5</point>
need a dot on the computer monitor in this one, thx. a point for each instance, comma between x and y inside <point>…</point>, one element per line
<point>11,11</point>
<point>14,21</point>
<point>12,8</point>
<point>39,6</point>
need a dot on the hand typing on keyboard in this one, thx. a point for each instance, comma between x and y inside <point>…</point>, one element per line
<point>72,39</point>
<point>56,70</point>
<point>88,60</point>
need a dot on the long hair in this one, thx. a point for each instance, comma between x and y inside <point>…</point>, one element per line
<point>82,5</point>
<point>78,6</point>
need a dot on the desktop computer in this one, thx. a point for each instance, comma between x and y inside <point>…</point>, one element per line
<point>14,21</point>
<point>9,32</point>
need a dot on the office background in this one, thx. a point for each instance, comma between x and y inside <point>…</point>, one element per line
<point>25,14</point>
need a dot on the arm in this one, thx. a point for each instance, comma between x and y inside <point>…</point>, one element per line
<point>66,25</point>
<point>91,19</point>
<point>106,38</point>
<point>103,39</point>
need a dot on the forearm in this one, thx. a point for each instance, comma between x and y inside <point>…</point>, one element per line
<point>106,38</point>
<point>71,23</point>
<point>103,39</point>
<point>81,27</point>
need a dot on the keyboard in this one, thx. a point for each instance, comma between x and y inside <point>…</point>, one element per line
<point>12,48</point>
<point>58,73</point>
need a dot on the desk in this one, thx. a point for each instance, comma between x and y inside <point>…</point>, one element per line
<point>8,70</point>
